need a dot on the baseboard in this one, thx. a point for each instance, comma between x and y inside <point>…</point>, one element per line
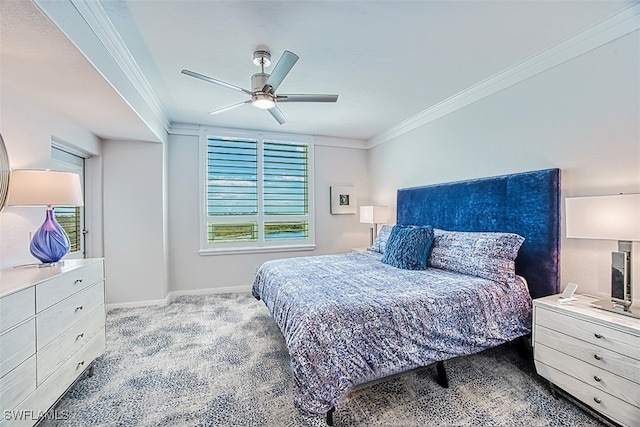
<point>171,296</point>
<point>136,304</point>
<point>210,291</point>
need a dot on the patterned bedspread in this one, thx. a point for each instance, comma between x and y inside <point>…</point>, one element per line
<point>349,319</point>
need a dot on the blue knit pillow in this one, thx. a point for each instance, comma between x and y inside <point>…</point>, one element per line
<point>408,247</point>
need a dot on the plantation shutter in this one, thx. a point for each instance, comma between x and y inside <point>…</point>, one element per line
<point>257,192</point>
<point>286,190</point>
<point>70,218</point>
<point>285,178</point>
<point>232,177</point>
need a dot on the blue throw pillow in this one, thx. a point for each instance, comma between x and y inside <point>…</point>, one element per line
<point>408,246</point>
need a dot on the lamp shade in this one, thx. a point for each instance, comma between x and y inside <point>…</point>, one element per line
<point>373,214</point>
<point>604,217</point>
<point>44,188</point>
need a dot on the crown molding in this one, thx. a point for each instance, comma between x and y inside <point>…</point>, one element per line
<point>97,18</point>
<point>86,24</point>
<point>191,129</point>
<point>606,31</point>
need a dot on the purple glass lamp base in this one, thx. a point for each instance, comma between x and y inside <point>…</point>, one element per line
<point>50,242</point>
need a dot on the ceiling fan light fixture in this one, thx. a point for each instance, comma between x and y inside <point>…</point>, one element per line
<point>264,86</point>
<point>264,101</point>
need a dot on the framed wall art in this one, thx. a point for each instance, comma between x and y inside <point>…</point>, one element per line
<point>343,200</point>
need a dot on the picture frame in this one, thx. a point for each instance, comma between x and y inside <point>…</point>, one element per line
<point>343,200</point>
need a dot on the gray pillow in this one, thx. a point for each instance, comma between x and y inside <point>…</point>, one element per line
<point>381,239</point>
<point>482,254</point>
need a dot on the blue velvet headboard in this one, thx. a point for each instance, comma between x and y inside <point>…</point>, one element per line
<point>524,203</point>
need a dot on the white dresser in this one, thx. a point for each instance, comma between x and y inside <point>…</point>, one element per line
<point>52,327</point>
<point>592,354</point>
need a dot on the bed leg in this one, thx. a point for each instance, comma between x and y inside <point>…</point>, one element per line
<point>523,347</point>
<point>442,375</point>
<point>330,416</point>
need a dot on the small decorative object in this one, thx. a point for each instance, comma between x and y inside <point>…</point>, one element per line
<point>46,188</point>
<point>4,173</point>
<point>373,215</point>
<point>614,217</point>
<point>343,200</point>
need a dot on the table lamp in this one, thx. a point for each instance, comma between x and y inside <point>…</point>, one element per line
<point>373,215</point>
<point>46,188</point>
<point>610,218</point>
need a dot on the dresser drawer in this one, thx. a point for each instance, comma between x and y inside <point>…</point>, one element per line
<point>66,284</point>
<point>18,384</point>
<point>16,345</point>
<point>58,351</point>
<point>600,357</point>
<point>16,308</point>
<point>49,391</point>
<point>590,332</point>
<point>606,381</point>
<point>56,319</point>
<point>614,408</point>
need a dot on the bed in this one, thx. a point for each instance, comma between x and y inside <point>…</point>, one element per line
<point>350,319</point>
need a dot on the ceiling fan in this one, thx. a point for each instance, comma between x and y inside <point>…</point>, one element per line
<point>263,86</point>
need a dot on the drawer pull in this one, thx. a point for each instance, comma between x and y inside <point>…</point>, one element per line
<point>597,357</point>
<point>597,400</point>
<point>597,378</point>
<point>82,335</point>
<point>597,335</point>
<point>77,281</point>
<point>82,364</point>
<point>80,308</point>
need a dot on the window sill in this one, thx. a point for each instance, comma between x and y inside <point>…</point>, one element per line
<point>256,250</point>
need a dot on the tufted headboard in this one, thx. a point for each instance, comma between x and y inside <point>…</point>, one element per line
<point>524,203</point>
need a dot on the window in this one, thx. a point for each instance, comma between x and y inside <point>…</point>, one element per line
<point>256,194</point>
<point>71,218</point>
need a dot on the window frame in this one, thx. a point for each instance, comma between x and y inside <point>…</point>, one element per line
<point>261,245</point>
<point>64,160</point>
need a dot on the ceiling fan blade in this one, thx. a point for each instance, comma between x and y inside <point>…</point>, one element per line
<point>307,98</point>
<point>215,81</point>
<point>278,115</point>
<point>280,71</point>
<point>230,107</point>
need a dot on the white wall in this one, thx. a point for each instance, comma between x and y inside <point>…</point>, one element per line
<point>27,130</point>
<point>582,117</point>
<point>134,221</point>
<point>334,233</point>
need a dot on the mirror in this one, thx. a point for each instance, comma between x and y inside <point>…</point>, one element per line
<point>4,173</point>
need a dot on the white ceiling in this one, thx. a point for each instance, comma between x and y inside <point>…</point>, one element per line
<point>38,62</point>
<point>388,60</point>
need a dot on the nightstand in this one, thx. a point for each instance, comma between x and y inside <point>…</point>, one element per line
<point>592,354</point>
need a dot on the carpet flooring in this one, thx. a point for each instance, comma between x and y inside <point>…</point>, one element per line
<point>219,360</point>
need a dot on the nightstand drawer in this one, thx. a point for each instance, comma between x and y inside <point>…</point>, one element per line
<point>56,319</point>
<point>16,345</point>
<point>600,357</point>
<point>606,381</point>
<point>66,284</point>
<point>54,354</point>
<point>16,308</point>
<point>614,408</point>
<point>593,333</point>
